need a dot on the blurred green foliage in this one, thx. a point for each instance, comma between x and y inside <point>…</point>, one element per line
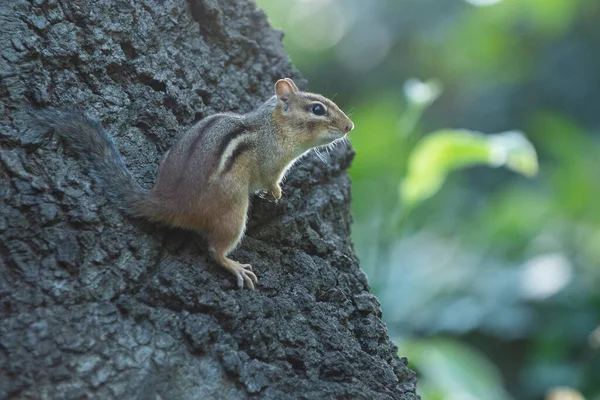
<point>490,285</point>
<point>454,371</point>
<point>443,151</point>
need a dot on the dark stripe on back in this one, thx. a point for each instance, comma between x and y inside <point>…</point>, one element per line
<point>237,131</point>
<point>200,132</point>
<point>236,154</point>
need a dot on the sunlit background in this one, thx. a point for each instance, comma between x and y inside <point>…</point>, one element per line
<point>487,267</point>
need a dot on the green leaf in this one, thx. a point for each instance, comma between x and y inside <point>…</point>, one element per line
<point>444,151</point>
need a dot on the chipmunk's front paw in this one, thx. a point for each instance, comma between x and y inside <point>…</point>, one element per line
<point>272,195</point>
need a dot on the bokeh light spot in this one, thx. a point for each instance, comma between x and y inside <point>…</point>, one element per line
<point>546,275</point>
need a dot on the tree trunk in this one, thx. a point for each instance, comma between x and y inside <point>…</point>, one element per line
<point>94,304</point>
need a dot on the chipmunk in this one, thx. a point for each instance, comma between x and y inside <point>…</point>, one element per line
<point>205,179</point>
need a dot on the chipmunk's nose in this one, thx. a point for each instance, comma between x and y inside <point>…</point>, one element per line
<point>350,126</point>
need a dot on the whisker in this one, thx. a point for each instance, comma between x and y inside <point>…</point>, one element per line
<point>321,156</point>
<point>345,142</point>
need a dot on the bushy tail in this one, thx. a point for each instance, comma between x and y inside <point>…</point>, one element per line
<point>86,137</point>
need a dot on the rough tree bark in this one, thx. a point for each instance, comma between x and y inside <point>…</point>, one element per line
<point>97,305</point>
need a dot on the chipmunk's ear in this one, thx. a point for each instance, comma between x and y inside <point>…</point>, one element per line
<point>291,82</point>
<point>284,89</point>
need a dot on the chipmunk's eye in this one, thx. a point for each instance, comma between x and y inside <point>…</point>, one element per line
<point>318,109</point>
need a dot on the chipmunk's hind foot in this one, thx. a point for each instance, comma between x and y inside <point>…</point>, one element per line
<point>243,272</point>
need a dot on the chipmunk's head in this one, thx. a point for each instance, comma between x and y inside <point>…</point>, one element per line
<point>313,120</point>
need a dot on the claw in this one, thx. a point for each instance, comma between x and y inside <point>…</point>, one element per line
<point>269,196</point>
<point>272,197</point>
<point>248,282</point>
<point>276,193</point>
